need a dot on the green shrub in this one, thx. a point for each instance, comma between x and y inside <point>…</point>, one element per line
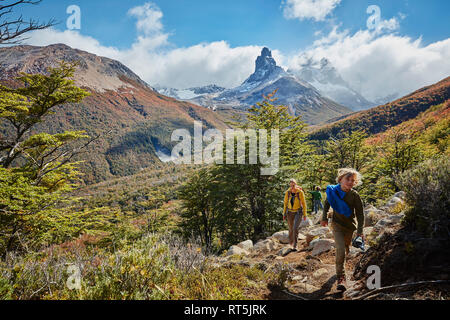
<point>6,289</point>
<point>427,188</point>
<point>153,267</point>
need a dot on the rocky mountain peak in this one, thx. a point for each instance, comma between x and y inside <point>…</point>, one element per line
<point>265,66</point>
<point>325,64</point>
<point>265,60</point>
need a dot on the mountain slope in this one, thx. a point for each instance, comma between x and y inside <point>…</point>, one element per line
<point>381,118</point>
<point>140,120</point>
<point>301,97</point>
<point>325,78</point>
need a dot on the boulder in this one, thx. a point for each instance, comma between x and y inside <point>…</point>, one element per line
<point>319,273</point>
<point>388,221</point>
<point>282,236</point>
<point>285,251</point>
<point>312,243</point>
<point>317,218</point>
<point>305,223</point>
<point>372,215</point>
<point>369,208</point>
<point>264,245</point>
<point>322,245</point>
<point>393,203</point>
<point>371,218</point>
<point>236,250</point>
<point>316,233</point>
<point>246,245</point>
<point>301,236</point>
<point>300,278</point>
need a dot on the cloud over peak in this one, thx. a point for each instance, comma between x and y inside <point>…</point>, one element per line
<point>380,63</point>
<point>309,9</point>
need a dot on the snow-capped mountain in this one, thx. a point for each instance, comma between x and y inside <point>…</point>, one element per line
<point>301,97</point>
<point>211,90</point>
<point>326,79</point>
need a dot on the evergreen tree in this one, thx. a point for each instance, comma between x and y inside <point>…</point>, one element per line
<point>36,170</point>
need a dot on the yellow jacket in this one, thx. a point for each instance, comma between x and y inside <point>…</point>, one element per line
<point>299,201</point>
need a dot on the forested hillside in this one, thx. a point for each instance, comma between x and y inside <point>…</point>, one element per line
<point>381,118</point>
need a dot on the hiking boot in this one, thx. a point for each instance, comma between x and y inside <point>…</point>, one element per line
<point>341,284</point>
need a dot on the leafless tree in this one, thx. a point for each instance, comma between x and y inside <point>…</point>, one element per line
<point>13,27</point>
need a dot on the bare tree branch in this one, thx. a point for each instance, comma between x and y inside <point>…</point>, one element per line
<point>12,30</point>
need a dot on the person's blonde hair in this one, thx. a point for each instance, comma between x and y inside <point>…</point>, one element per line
<point>343,172</point>
<point>293,180</point>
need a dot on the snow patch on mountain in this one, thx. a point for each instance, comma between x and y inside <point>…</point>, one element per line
<point>327,80</point>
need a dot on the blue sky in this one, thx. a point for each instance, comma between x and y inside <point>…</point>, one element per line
<point>242,22</point>
<point>185,43</point>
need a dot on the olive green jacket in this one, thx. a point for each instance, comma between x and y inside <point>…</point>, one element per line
<point>356,220</point>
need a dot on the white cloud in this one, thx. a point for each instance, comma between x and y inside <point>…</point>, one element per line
<point>309,9</point>
<point>197,65</point>
<point>379,63</point>
<point>156,61</point>
<point>148,18</point>
<point>71,38</point>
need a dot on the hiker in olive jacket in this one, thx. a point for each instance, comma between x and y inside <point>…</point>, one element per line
<point>294,209</point>
<point>347,216</point>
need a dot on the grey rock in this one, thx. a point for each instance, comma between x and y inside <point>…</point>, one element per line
<point>285,251</point>
<point>246,245</point>
<point>317,232</point>
<point>301,236</point>
<point>264,245</point>
<point>322,245</point>
<point>305,223</point>
<point>282,236</point>
<point>393,203</point>
<point>388,221</point>
<point>236,250</point>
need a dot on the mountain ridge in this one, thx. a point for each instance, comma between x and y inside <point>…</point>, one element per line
<point>140,119</point>
<point>381,118</point>
<point>326,79</point>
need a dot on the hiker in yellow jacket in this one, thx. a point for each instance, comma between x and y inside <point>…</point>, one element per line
<point>294,208</point>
